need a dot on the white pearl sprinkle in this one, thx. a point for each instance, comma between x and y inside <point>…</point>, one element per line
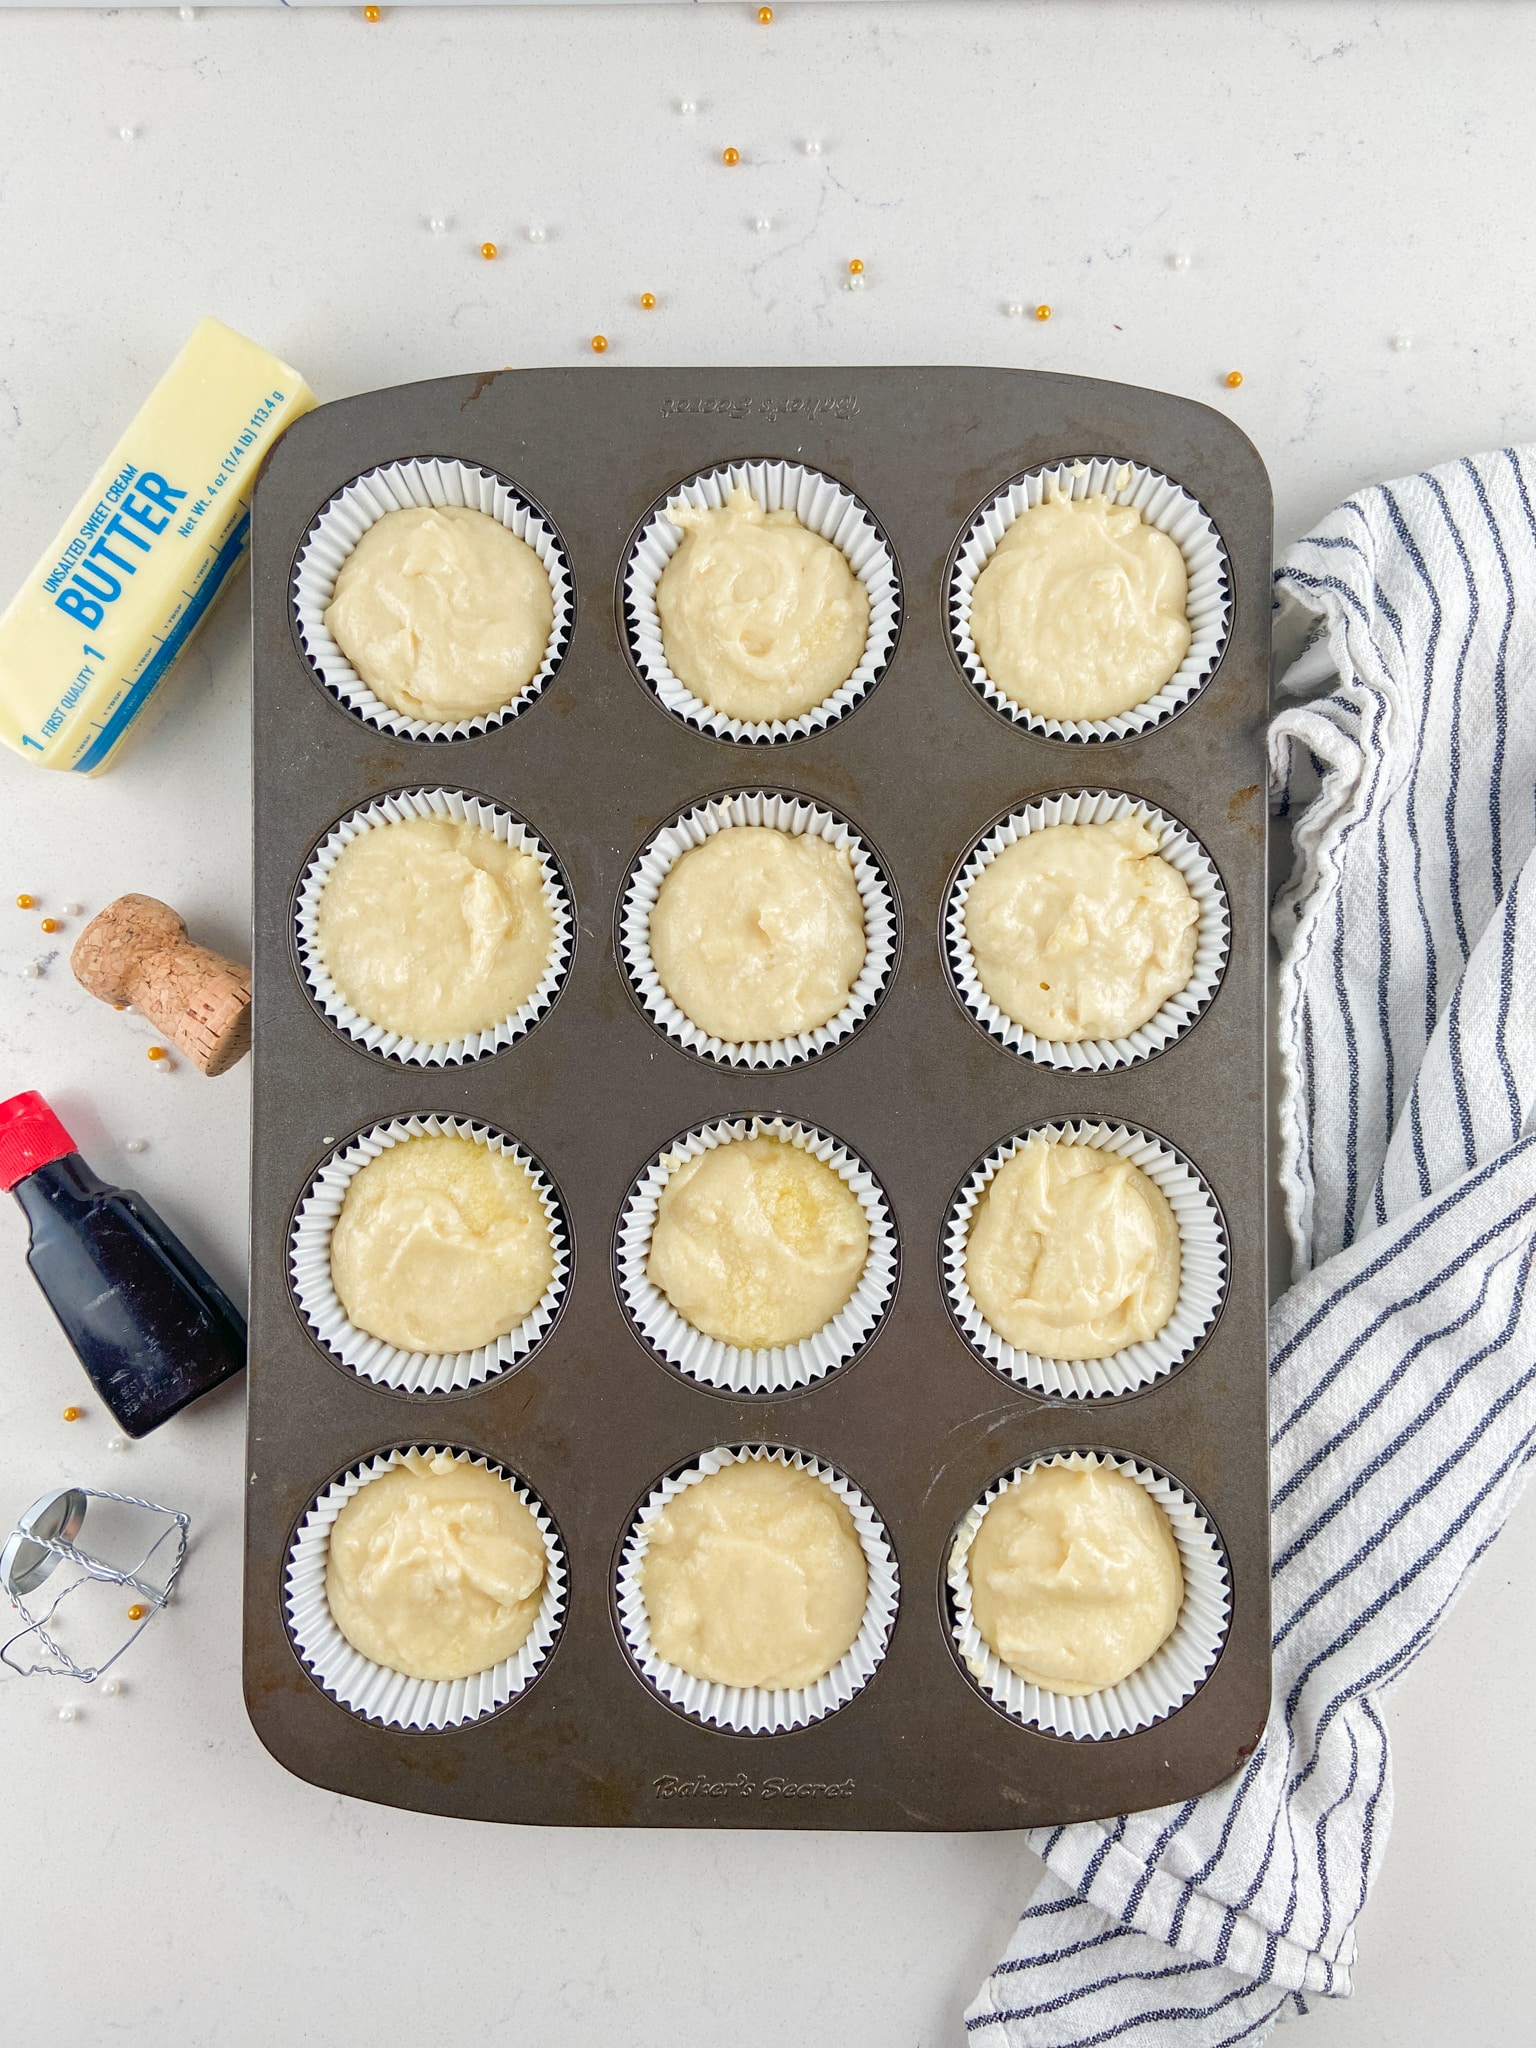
<point>128,133</point>
<point>1179,260</point>
<point>187,13</point>
<point>811,146</point>
<point>854,284</point>
<point>136,1145</point>
<point>1015,309</point>
<point>117,1443</point>
<point>538,234</point>
<point>165,1066</point>
<point>438,224</point>
<point>69,1711</point>
<point>112,1688</point>
<point>31,971</point>
<point>73,909</point>
<point>687,106</point>
<point>1402,343</point>
<point>763,224</point>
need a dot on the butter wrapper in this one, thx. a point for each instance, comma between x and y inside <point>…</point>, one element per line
<point>91,634</point>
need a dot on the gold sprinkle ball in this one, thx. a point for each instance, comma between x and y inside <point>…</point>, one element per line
<point>136,1612</point>
<point>765,15</point>
<point>157,1052</point>
<point>25,902</point>
<point>1042,312</point>
<point>371,13</point>
<point>599,344</point>
<point>648,302</point>
<point>71,1413</point>
<point>730,156</point>
<point>488,251</point>
<point>1233,379</point>
<point>856,267</point>
<point>49,924</point>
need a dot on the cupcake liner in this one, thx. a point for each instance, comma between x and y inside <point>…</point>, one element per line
<point>754,1710</point>
<point>430,803</point>
<point>707,1359</point>
<point>1161,503</point>
<point>372,1691</point>
<point>786,813</point>
<point>1202,1269</point>
<point>340,524</point>
<point>1179,847</point>
<point>819,503</point>
<point>371,1358</point>
<point>1170,1677</point>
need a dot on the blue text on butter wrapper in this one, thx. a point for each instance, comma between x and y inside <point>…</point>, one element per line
<point>144,508</point>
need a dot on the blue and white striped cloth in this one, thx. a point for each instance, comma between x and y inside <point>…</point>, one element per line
<point>1403,1366</point>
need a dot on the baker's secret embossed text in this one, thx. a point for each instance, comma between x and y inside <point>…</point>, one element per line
<point>803,407</point>
<point>668,1786</point>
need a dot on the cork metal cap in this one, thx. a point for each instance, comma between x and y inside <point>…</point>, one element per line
<point>30,1135</point>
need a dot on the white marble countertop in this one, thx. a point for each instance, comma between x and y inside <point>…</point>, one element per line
<point>1339,177</point>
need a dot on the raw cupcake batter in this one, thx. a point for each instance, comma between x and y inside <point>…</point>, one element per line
<point>754,1576</point>
<point>443,612</point>
<point>442,1244</point>
<point>759,934</point>
<point>434,927</point>
<point>1073,1252</point>
<point>1080,611</point>
<point>758,1243</point>
<point>436,1568</point>
<point>1075,1577</point>
<point>1082,931</point>
<point>760,618</point>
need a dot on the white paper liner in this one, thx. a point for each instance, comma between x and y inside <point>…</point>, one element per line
<point>1202,1269</point>
<point>430,803</point>
<point>785,813</point>
<point>372,1690</point>
<point>754,1710</point>
<point>1166,1680</point>
<point>1161,503</point>
<point>709,1360</point>
<point>1179,847</point>
<point>371,1358</point>
<point>396,487</point>
<point>826,508</point>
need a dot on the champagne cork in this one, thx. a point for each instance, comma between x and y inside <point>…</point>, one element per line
<point>137,951</point>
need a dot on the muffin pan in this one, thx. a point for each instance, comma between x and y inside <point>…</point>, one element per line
<point>589,1419</point>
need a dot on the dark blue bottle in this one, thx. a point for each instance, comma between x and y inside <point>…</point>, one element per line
<point>151,1328</point>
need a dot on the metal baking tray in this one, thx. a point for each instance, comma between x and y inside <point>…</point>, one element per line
<point>592,1420</point>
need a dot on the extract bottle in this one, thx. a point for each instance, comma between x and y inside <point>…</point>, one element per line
<point>151,1328</point>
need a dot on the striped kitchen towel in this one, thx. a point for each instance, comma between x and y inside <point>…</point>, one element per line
<point>1403,1365</point>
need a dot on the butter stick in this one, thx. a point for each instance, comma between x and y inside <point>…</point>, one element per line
<point>90,635</point>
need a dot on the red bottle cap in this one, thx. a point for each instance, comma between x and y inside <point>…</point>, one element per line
<point>30,1135</point>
